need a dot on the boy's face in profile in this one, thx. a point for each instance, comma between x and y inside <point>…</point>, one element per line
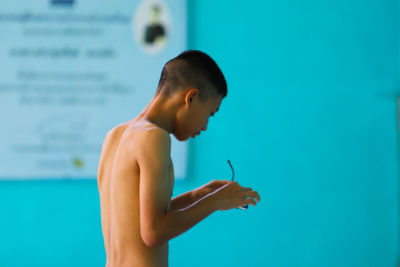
<point>195,118</point>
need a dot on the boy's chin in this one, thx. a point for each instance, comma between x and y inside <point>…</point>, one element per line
<point>182,138</point>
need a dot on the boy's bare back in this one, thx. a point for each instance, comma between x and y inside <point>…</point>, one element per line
<point>119,185</point>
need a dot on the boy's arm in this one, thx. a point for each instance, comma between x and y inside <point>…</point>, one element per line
<point>182,201</point>
<point>186,199</point>
<point>157,223</point>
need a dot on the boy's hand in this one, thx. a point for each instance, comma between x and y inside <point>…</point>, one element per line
<point>232,195</point>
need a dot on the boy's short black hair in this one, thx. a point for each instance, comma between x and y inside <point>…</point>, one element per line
<point>192,68</point>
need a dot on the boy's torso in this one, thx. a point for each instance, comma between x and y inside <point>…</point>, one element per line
<point>118,184</point>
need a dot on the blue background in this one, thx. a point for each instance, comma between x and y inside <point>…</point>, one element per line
<point>310,122</point>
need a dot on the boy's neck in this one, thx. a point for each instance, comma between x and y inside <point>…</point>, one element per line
<point>160,111</point>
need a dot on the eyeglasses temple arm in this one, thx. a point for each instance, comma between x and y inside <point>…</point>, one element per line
<point>233,171</point>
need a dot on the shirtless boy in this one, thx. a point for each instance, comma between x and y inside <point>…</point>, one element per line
<point>136,175</point>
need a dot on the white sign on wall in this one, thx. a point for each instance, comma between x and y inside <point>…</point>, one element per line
<point>73,69</point>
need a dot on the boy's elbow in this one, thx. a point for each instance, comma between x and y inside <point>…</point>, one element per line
<point>151,238</point>
<point>155,231</point>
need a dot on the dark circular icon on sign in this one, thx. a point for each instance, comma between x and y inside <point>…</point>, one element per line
<point>155,31</point>
<point>151,25</point>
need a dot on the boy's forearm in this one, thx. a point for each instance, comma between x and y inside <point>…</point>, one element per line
<point>182,201</point>
<point>177,222</point>
<point>186,199</point>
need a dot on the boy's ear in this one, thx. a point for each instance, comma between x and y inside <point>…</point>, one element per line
<point>190,95</point>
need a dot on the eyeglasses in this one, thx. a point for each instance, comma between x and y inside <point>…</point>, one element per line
<point>233,177</point>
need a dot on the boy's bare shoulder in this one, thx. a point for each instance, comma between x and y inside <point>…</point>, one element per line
<point>145,134</point>
<point>136,129</point>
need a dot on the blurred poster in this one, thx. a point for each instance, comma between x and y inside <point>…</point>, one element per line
<point>73,69</point>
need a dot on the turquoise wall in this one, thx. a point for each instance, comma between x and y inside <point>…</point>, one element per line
<point>309,122</point>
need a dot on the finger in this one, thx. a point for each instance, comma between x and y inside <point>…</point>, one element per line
<point>253,194</point>
<point>250,201</point>
<point>246,189</point>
